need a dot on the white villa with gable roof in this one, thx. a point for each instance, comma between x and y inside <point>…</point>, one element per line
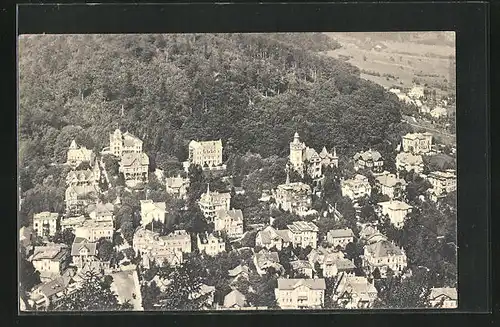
<point>356,188</point>
<point>340,237</point>
<point>229,221</point>
<point>390,185</point>
<point>207,154</point>
<point>369,159</point>
<point>134,166</point>
<point>121,143</point>
<point>417,143</point>
<point>300,293</point>
<point>384,255</point>
<point>303,234</point>
<point>396,211</point>
<point>355,292</point>
<point>45,223</point>
<point>406,161</point>
<point>210,244</point>
<point>269,237</point>
<point>78,154</point>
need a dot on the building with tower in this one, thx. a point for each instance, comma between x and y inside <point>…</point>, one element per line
<point>78,154</point>
<point>294,197</point>
<point>121,143</point>
<point>302,156</point>
<point>212,201</point>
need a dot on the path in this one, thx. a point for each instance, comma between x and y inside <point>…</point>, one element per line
<point>126,283</point>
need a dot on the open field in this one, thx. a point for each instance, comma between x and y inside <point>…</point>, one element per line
<point>399,62</point>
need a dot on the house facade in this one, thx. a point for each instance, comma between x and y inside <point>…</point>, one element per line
<point>270,237</point>
<point>356,188</point>
<point>406,161</point>
<point>443,297</point>
<point>369,160</point>
<point>94,230</point>
<point>355,292</point>
<point>264,260</point>
<point>390,185</point>
<point>417,143</point>
<point>300,154</point>
<point>294,197</point>
<point>52,292</point>
<point>152,211</point>
<point>229,221</point>
<point>177,186</point>
<point>340,237</point>
<point>384,255</point>
<point>134,166</point>
<point>396,211</point>
<point>83,252</point>
<point>121,143</point>
<point>300,293</point>
<point>331,262</point>
<point>303,234</point>
<point>177,241</point>
<point>78,154</point>
<point>210,244</point>
<point>50,260</point>
<point>212,201</point>
<point>87,177</point>
<point>101,211</point>
<point>45,223</point>
<point>153,247</point>
<point>205,153</point>
<point>443,182</point>
<point>78,198</point>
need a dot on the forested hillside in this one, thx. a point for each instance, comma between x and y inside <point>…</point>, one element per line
<point>253,91</point>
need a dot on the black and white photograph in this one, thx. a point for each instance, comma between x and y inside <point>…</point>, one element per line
<point>237,171</point>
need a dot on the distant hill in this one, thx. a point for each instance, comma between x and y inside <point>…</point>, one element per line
<point>428,38</point>
<point>253,91</point>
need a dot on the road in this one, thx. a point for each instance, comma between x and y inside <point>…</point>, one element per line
<point>124,285</point>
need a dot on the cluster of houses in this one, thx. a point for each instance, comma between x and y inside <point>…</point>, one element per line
<point>61,266</point>
<point>416,96</point>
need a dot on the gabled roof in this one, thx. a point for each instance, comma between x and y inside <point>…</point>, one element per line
<point>390,180</point>
<point>55,286</point>
<point>302,226</point>
<point>176,182</point>
<point>148,206</point>
<point>409,158</point>
<point>235,298</point>
<point>234,214</point>
<point>358,285</point>
<point>293,283</point>
<point>101,208</point>
<point>130,159</point>
<point>265,257</point>
<point>383,248</point>
<point>238,270</point>
<point>395,205</point>
<point>448,292</point>
<point>300,264</point>
<point>52,252</point>
<point>368,155</point>
<point>91,247</point>
<point>340,233</point>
